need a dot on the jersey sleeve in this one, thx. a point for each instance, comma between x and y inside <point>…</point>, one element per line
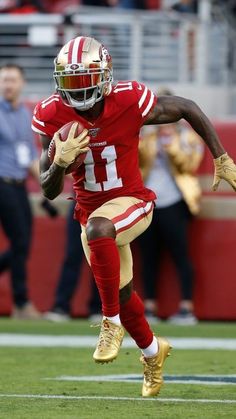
<point>43,117</point>
<point>146,99</point>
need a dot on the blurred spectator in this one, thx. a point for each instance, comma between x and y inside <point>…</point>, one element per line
<point>7,5</point>
<point>228,8</point>
<point>133,4</point>
<point>22,6</point>
<point>18,158</point>
<point>69,276</point>
<point>185,6</point>
<point>36,4</point>
<point>153,4</point>
<point>169,156</point>
<point>101,3</point>
<point>125,4</point>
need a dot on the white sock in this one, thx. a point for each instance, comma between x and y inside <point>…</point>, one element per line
<point>114,319</point>
<point>152,349</point>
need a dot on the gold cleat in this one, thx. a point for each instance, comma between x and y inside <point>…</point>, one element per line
<point>153,380</point>
<point>109,343</point>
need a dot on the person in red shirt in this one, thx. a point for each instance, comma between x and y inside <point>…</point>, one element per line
<point>112,204</point>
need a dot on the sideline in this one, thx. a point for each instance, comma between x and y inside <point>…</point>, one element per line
<point>142,399</point>
<point>135,378</point>
<point>24,340</point>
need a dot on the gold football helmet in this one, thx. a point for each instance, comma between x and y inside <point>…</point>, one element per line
<point>83,72</point>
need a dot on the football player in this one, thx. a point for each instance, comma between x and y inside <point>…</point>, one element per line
<point>112,204</point>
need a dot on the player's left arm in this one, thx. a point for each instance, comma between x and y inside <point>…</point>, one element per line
<point>173,108</point>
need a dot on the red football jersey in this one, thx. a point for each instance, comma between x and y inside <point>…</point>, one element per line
<point>111,168</point>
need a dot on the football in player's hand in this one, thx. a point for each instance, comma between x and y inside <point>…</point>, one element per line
<point>63,134</point>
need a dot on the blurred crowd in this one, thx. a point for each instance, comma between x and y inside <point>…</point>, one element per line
<point>51,6</point>
<point>168,163</point>
<point>61,6</point>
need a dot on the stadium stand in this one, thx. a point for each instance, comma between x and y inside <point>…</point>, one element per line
<point>189,55</point>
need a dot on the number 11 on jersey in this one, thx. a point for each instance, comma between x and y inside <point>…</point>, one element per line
<point>110,156</point>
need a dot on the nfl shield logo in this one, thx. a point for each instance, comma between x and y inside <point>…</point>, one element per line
<point>93,132</point>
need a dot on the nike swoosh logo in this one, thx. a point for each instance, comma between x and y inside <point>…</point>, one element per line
<point>227,169</point>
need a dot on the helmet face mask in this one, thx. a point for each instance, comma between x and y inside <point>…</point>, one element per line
<point>85,82</point>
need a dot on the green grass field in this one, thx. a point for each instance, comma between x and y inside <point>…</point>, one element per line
<point>30,386</point>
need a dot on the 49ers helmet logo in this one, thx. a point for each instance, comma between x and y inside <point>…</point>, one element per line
<point>74,66</point>
<point>79,66</point>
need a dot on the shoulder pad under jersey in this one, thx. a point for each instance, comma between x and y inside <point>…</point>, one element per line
<point>46,109</point>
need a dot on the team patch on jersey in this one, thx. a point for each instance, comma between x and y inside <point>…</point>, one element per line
<point>93,132</point>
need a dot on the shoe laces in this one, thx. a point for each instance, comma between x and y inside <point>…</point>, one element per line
<point>150,369</point>
<point>107,334</point>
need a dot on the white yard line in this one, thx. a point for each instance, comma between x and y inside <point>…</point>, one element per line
<point>151,399</point>
<point>208,380</point>
<point>24,340</point>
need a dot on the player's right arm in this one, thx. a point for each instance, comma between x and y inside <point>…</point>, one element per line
<point>43,123</point>
<point>51,175</point>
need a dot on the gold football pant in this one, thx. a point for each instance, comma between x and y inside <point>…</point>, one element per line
<point>130,216</point>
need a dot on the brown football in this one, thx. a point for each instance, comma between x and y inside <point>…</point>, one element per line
<point>63,133</point>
